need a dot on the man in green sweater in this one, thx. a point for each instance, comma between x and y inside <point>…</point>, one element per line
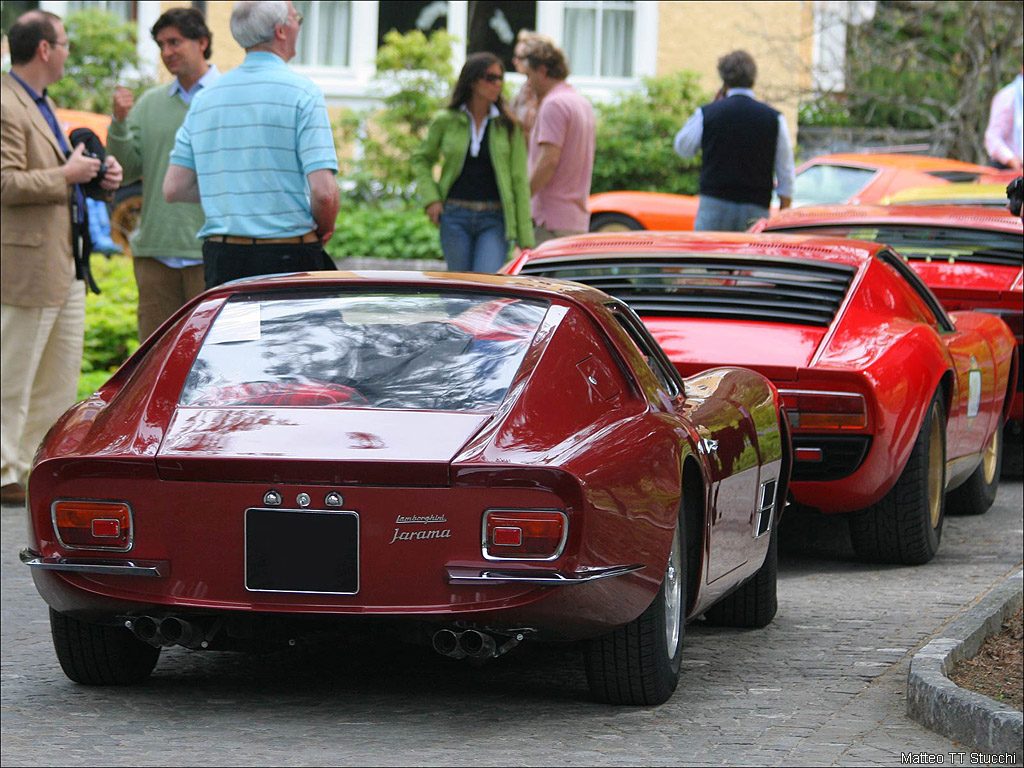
<point>168,258</point>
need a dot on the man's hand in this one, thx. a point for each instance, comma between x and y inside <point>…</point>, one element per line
<point>123,103</point>
<point>115,174</point>
<point>434,213</point>
<point>547,163</point>
<point>80,169</point>
<point>325,199</point>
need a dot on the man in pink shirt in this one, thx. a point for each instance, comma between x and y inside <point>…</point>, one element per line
<point>561,151</point>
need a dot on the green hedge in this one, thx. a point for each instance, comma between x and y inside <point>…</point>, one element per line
<point>111,328</point>
<point>384,233</point>
<point>635,134</point>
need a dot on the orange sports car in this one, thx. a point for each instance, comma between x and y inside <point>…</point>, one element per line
<point>842,178</point>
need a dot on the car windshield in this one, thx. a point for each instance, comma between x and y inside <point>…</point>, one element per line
<point>431,351</point>
<point>824,184</point>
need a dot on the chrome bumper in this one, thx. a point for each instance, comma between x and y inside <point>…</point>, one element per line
<point>148,568</point>
<point>545,578</point>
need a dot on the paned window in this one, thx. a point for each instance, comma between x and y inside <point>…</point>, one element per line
<point>324,41</point>
<point>492,25</point>
<point>407,15</point>
<point>599,37</point>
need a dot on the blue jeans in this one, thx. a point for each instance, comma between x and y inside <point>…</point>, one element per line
<point>473,241</point>
<point>717,215</point>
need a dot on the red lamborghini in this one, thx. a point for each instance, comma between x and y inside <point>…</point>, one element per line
<point>476,461</point>
<point>971,258</point>
<point>893,402</point>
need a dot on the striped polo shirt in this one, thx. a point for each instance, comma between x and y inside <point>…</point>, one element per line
<point>252,137</point>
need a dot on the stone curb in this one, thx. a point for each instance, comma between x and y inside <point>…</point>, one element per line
<point>942,706</point>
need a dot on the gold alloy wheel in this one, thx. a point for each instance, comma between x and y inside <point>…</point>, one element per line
<point>935,466</point>
<point>613,226</point>
<point>124,220</point>
<point>991,459</point>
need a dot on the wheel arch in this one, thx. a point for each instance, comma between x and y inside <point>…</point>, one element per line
<point>693,502</point>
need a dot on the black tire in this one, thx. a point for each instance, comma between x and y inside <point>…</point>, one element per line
<point>94,654</point>
<point>1013,451</point>
<point>905,527</point>
<point>978,492</point>
<point>636,664</point>
<point>613,222</point>
<point>755,602</point>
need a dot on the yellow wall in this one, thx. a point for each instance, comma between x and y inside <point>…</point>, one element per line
<point>693,35</point>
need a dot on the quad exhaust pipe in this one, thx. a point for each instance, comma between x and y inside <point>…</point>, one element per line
<point>472,643</point>
<point>168,631</point>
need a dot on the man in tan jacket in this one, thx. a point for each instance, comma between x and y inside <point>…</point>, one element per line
<point>42,304</point>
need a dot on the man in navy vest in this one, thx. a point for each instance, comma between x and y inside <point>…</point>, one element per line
<point>744,144</point>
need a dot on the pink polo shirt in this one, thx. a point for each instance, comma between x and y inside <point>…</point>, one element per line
<point>565,119</point>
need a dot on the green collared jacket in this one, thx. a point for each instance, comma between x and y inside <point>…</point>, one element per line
<point>448,139</point>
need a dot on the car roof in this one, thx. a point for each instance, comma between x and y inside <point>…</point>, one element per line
<point>535,287</point>
<point>812,247</point>
<point>958,216</point>
<point>922,163</point>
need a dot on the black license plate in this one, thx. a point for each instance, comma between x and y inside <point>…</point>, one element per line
<point>297,551</point>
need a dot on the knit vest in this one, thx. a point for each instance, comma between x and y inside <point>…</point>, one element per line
<point>738,143</point>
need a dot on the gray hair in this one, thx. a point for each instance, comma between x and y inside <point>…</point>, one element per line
<point>253,21</point>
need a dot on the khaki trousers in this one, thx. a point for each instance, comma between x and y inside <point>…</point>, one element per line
<point>162,290</point>
<point>40,361</point>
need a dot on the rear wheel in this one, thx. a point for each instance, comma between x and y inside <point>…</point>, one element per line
<point>756,601</point>
<point>613,222</point>
<point>125,215</point>
<point>639,663</point>
<point>905,527</point>
<point>976,495</point>
<point>94,654</point>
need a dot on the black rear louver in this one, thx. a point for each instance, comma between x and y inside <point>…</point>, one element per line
<point>933,243</point>
<point>723,287</point>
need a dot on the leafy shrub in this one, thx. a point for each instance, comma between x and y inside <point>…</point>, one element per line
<point>102,55</point>
<point>111,328</point>
<point>414,76</point>
<point>380,232</point>
<point>634,137</point>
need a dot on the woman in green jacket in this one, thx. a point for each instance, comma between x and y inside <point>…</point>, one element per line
<point>482,201</point>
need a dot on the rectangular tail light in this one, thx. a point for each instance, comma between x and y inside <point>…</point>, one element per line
<point>825,410</point>
<point>100,525</point>
<point>516,534</point>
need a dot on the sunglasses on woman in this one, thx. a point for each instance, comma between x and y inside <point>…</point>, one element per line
<point>490,77</point>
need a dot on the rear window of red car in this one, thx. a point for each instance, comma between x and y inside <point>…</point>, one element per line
<point>437,351</point>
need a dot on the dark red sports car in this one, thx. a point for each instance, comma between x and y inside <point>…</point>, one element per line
<point>475,460</point>
<point>971,258</point>
<point>893,402</point>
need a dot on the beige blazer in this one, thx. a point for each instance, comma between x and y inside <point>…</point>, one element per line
<point>36,265</point>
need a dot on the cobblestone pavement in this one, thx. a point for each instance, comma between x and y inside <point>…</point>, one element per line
<point>823,685</point>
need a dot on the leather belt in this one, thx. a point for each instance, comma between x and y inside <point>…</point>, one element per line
<point>309,237</point>
<point>475,205</point>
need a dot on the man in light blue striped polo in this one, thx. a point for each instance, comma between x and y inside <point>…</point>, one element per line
<point>257,151</point>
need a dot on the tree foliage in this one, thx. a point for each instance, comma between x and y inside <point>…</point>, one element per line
<point>414,76</point>
<point>102,55</point>
<point>927,65</point>
<point>634,137</point>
